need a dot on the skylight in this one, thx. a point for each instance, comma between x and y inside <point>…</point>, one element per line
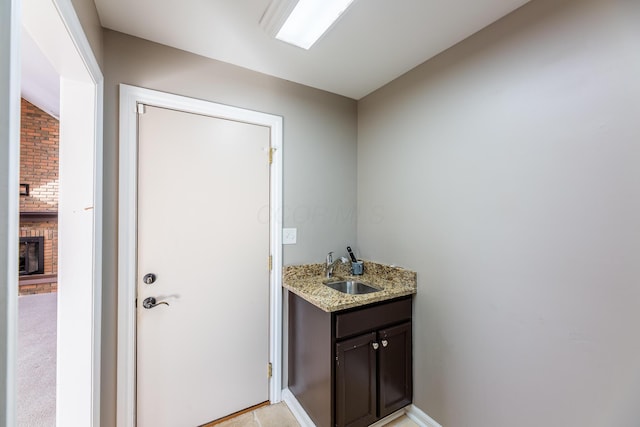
<point>309,20</point>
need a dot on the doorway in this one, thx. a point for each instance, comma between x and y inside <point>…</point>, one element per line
<point>38,253</point>
<point>55,28</point>
<point>132,100</point>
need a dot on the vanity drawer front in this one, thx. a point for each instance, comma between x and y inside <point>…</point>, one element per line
<point>370,318</point>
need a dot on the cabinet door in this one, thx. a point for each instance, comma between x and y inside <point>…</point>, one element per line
<point>356,381</point>
<point>395,365</point>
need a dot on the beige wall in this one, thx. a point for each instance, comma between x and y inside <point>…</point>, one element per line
<point>88,16</point>
<point>506,172</point>
<point>319,156</point>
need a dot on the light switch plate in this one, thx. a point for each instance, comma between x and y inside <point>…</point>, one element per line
<point>289,236</point>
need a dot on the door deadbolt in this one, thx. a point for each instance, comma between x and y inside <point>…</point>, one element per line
<point>149,278</point>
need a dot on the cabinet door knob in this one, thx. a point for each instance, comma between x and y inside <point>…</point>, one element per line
<point>375,345</point>
<point>385,343</point>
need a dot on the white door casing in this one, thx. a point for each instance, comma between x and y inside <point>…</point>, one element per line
<point>55,27</point>
<point>130,97</point>
<point>201,353</point>
<point>9,180</point>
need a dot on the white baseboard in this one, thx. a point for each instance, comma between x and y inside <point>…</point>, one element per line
<point>419,417</point>
<point>296,409</point>
<point>389,418</point>
<point>411,411</point>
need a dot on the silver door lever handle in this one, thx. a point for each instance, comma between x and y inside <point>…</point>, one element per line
<point>151,302</point>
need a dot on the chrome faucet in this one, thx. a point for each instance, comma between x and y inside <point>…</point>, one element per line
<point>330,264</point>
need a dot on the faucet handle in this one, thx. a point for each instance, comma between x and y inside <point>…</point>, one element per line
<point>329,257</point>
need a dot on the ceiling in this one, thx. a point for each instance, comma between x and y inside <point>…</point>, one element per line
<point>374,42</point>
<point>39,82</point>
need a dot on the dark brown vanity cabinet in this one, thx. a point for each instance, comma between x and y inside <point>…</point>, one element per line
<point>350,368</point>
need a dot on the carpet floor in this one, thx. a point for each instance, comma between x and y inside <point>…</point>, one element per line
<point>36,361</point>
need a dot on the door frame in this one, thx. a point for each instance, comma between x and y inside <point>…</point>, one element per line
<point>10,17</point>
<point>130,97</point>
<point>84,344</point>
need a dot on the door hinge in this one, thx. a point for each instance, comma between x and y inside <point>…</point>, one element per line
<point>271,151</point>
<point>270,373</point>
<point>270,262</point>
<point>140,109</point>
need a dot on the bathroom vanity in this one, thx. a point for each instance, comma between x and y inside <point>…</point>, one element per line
<point>351,366</point>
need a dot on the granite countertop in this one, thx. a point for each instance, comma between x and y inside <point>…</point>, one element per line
<point>307,280</point>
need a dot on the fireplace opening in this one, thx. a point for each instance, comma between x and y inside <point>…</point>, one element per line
<point>31,255</point>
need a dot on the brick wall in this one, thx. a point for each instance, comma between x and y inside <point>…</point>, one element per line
<point>39,141</point>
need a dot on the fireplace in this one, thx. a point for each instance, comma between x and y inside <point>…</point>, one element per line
<point>31,255</point>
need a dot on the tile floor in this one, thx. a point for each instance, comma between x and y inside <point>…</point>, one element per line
<point>279,415</point>
<point>403,421</point>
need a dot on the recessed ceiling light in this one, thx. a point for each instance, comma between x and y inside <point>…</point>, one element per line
<point>308,20</point>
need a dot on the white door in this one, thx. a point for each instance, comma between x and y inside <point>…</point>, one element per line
<point>203,189</point>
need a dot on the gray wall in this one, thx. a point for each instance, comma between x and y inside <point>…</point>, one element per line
<point>319,156</point>
<point>506,171</point>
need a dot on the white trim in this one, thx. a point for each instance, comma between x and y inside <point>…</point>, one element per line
<point>127,214</point>
<point>305,421</point>
<point>420,418</point>
<point>98,172</point>
<point>79,38</point>
<point>66,15</point>
<point>70,20</point>
<point>413,412</point>
<point>275,314</point>
<point>296,409</point>
<point>10,17</point>
<point>130,96</point>
<point>386,420</point>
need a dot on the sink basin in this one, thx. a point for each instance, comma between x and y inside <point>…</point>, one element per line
<point>351,287</point>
